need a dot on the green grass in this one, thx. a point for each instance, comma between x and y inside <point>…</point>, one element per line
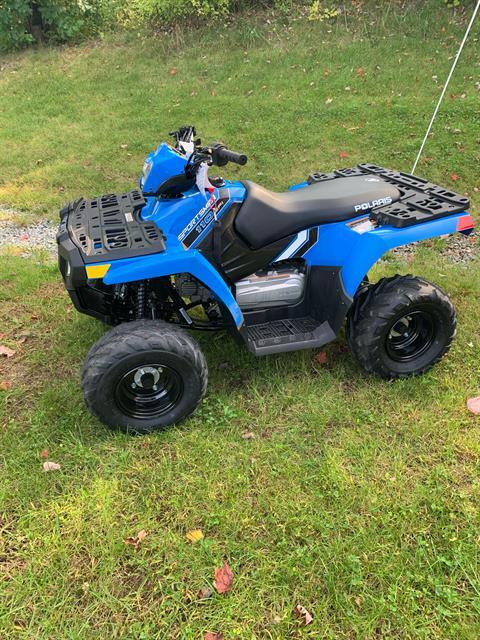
<point>357,498</point>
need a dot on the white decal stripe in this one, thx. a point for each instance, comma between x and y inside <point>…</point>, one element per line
<point>300,240</point>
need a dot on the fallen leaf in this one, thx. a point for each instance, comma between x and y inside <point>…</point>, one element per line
<point>124,146</point>
<point>44,454</point>
<point>213,93</point>
<point>360,72</point>
<point>473,405</point>
<point>223,578</point>
<point>343,154</point>
<point>210,635</point>
<point>326,72</point>
<point>321,357</point>
<point>173,71</point>
<point>5,385</point>
<point>329,101</point>
<point>204,593</point>
<point>23,236</point>
<point>454,177</point>
<point>303,615</point>
<point>358,601</point>
<point>50,466</point>
<point>134,541</point>
<point>6,351</point>
<point>33,317</point>
<point>22,338</point>
<point>195,535</point>
<point>248,435</point>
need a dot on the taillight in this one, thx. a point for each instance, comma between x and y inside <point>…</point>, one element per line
<point>465,224</point>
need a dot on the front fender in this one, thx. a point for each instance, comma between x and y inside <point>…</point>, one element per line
<point>175,260</point>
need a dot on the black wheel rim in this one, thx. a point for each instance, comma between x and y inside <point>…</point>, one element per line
<point>410,336</point>
<point>148,391</point>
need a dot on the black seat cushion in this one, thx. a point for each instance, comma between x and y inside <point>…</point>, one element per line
<point>266,216</point>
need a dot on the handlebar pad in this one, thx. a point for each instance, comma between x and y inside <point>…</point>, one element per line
<point>222,155</point>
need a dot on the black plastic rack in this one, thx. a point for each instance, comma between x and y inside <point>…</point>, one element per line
<point>110,227</point>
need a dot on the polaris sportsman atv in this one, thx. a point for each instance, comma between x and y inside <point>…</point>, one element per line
<point>280,271</point>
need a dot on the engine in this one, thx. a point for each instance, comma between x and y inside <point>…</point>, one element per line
<point>271,288</point>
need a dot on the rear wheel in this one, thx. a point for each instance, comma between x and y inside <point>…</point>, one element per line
<point>144,376</point>
<point>401,326</point>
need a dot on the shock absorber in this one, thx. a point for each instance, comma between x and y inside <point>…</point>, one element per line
<point>140,303</point>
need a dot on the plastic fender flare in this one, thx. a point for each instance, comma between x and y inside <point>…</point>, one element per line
<point>371,246</point>
<point>176,260</point>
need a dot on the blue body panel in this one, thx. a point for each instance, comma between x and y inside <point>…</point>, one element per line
<point>340,245</point>
<point>352,247</point>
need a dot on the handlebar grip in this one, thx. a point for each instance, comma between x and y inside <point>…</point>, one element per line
<point>222,155</point>
<point>233,156</point>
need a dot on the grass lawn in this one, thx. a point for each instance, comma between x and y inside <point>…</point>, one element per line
<point>357,498</point>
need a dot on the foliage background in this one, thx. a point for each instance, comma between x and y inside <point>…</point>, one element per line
<point>22,22</point>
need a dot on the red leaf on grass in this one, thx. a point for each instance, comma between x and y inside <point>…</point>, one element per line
<point>44,454</point>
<point>134,541</point>
<point>302,614</point>
<point>473,405</point>
<point>454,177</point>
<point>210,635</point>
<point>342,155</point>
<point>223,578</point>
<point>5,385</point>
<point>6,351</point>
<point>321,357</point>
<point>173,71</point>
<point>360,72</point>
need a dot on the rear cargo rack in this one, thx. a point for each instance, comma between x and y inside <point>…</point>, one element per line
<point>110,227</point>
<point>420,200</point>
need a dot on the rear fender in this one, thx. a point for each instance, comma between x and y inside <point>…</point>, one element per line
<point>356,248</point>
<point>175,260</point>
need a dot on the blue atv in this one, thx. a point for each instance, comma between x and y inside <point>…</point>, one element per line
<point>279,271</point>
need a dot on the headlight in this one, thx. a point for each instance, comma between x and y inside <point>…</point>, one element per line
<point>147,167</point>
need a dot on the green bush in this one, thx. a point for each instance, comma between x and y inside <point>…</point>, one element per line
<point>25,21</point>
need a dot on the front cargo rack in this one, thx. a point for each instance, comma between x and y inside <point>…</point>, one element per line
<point>110,227</point>
<point>420,200</point>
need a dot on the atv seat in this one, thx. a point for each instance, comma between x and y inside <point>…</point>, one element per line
<point>266,216</point>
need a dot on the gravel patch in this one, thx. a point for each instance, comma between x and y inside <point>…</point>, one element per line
<point>37,236</point>
<point>458,248</point>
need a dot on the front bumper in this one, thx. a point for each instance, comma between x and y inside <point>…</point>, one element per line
<point>94,233</point>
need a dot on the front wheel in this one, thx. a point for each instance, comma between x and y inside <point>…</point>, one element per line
<point>401,326</point>
<point>143,376</point>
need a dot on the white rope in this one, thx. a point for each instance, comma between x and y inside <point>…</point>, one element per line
<point>446,84</point>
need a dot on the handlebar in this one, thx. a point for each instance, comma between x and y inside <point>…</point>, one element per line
<point>221,155</point>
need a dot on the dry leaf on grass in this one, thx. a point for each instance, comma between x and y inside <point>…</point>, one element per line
<point>223,578</point>
<point>5,385</point>
<point>302,614</point>
<point>454,177</point>
<point>195,535</point>
<point>248,435</point>
<point>342,155</point>
<point>473,405</point>
<point>210,635</point>
<point>321,357</point>
<point>51,466</point>
<point>204,593</point>
<point>6,351</point>
<point>134,541</point>
<point>173,71</point>
<point>44,454</point>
